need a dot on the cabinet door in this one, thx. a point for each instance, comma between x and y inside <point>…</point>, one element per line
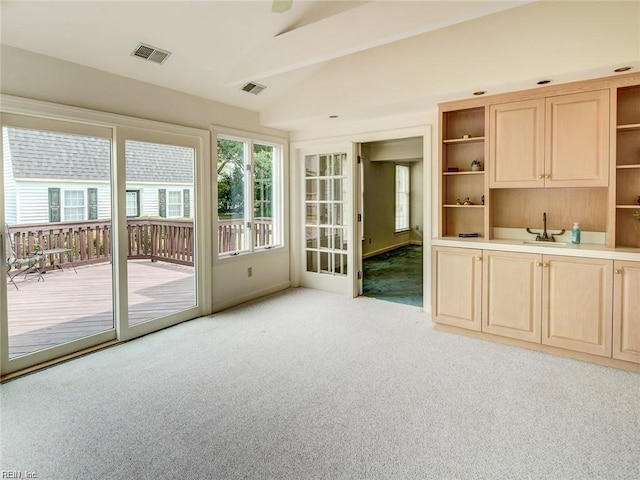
<point>577,304</point>
<point>516,144</point>
<point>626,311</point>
<point>512,285</point>
<point>577,140</point>
<point>456,286</point>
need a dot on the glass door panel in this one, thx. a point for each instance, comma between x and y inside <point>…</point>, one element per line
<point>57,212</point>
<point>161,276</point>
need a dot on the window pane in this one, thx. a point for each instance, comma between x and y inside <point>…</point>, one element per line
<point>73,205</point>
<point>402,197</point>
<point>263,199</point>
<point>232,158</point>
<point>132,204</point>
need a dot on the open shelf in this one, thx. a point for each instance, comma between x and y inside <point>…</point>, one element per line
<point>622,167</point>
<point>465,173</point>
<point>464,140</point>
<point>462,206</point>
<point>630,207</point>
<point>629,127</point>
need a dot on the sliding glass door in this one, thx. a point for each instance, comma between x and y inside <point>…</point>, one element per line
<point>57,225</point>
<point>99,236</point>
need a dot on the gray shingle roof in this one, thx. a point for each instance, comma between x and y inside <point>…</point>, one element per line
<point>62,156</point>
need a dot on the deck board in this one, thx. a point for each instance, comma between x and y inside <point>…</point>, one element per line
<point>66,306</point>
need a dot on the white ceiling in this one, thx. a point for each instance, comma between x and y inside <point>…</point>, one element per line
<point>353,59</point>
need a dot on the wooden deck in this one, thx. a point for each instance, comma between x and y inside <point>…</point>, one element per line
<point>66,306</point>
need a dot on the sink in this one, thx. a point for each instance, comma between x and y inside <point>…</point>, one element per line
<point>545,244</point>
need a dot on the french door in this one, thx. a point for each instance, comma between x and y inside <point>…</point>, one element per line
<point>326,219</point>
<point>99,234</point>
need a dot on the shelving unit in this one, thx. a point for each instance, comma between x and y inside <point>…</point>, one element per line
<point>462,136</point>
<point>627,229</point>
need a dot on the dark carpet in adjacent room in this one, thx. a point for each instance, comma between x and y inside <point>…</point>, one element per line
<point>395,276</point>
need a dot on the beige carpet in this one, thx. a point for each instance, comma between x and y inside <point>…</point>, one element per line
<point>311,385</point>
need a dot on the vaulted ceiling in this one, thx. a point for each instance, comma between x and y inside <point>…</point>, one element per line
<point>354,59</point>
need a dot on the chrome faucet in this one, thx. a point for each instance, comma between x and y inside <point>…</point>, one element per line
<point>544,236</point>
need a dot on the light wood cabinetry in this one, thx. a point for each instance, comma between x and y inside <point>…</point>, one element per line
<point>626,311</point>
<point>560,141</point>
<point>577,304</point>
<point>577,140</point>
<point>627,167</point>
<point>462,142</point>
<point>516,147</point>
<point>512,295</point>
<point>457,286</point>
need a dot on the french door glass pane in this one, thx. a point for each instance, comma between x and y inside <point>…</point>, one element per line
<point>325,197</point>
<point>160,241</point>
<point>59,286</point>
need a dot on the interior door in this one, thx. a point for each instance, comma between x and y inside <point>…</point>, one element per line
<point>328,230</point>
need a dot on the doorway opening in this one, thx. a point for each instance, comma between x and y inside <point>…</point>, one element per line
<point>391,179</point>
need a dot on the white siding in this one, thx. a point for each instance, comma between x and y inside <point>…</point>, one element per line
<point>10,214</point>
<point>34,199</point>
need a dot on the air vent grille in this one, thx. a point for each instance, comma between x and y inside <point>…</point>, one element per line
<point>153,54</point>
<point>253,87</point>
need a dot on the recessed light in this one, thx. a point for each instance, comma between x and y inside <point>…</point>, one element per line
<point>480,92</point>
<point>333,116</point>
<point>622,69</point>
<point>544,82</point>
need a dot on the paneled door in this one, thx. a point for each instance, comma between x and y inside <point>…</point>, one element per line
<point>57,295</point>
<point>327,177</point>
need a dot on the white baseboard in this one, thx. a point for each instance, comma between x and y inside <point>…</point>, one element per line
<point>217,307</point>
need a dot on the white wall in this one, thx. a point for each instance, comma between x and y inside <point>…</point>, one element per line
<point>39,77</point>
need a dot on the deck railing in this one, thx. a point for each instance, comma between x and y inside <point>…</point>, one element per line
<point>157,239</point>
<point>231,234</point>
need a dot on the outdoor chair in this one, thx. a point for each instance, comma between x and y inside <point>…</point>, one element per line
<point>20,265</point>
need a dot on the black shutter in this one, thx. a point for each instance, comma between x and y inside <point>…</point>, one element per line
<point>92,195</point>
<point>162,202</point>
<point>186,204</point>
<point>54,204</point>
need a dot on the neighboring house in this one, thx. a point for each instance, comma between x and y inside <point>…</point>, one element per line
<point>58,177</point>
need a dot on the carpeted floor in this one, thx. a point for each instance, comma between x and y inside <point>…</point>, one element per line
<point>307,384</point>
<point>395,276</point>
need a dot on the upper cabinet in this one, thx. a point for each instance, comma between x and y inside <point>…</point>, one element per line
<point>577,140</point>
<point>559,141</point>
<point>516,146</point>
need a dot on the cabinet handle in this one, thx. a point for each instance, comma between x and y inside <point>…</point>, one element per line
<point>618,271</point>
<point>542,264</point>
<point>479,259</point>
<point>548,175</point>
<point>540,177</point>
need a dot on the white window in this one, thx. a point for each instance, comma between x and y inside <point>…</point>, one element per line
<point>74,205</point>
<point>133,203</point>
<point>249,195</point>
<point>402,198</point>
<point>174,203</point>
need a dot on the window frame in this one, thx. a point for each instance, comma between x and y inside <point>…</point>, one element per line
<point>406,195</point>
<point>64,216</point>
<point>277,190</point>
<point>136,192</point>
<point>179,192</point>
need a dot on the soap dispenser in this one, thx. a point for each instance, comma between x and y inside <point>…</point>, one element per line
<point>575,233</point>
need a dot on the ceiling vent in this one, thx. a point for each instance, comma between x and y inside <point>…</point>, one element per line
<point>150,53</point>
<point>253,87</point>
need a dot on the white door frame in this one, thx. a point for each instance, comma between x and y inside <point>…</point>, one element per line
<point>297,192</point>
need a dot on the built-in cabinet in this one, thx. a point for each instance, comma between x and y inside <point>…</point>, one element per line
<point>627,167</point>
<point>457,287</point>
<point>512,295</point>
<point>577,302</point>
<point>571,152</point>
<point>626,311</point>
<point>559,141</point>
<point>581,304</point>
